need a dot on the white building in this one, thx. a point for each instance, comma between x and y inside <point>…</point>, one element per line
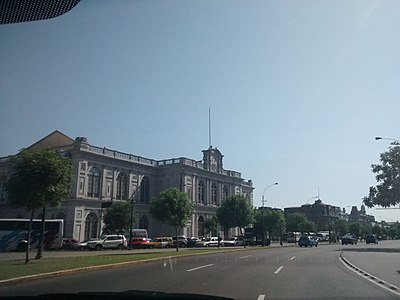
<point>101,175</point>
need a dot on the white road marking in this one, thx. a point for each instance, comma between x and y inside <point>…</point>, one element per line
<point>244,256</point>
<point>261,297</point>
<point>293,257</point>
<point>278,270</point>
<point>194,269</point>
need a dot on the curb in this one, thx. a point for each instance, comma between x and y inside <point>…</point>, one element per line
<point>387,286</point>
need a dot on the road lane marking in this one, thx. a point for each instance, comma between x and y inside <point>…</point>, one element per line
<point>201,267</point>
<point>278,270</point>
<point>244,256</point>
<point>293,257</point>
<point>261,297</point>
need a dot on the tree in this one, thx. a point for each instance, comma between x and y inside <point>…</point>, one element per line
<point>235,211</point>
<point>387,192</point>
<point>172,207</point>
<point>355,228</point>
<point>266,221</point>
<point>210,224</point>
<point>297,222</point>
<point>38,179</point>
<point>306,226</point>
<point>117,218</point>
<point>341,227</point>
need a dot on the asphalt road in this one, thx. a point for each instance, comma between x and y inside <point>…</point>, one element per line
<point>275,273</point>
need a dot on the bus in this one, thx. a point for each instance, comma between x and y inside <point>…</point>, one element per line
<point>293,237</point>
<point>14,234</point>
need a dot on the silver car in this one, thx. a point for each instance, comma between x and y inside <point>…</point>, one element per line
<point>108,242</point>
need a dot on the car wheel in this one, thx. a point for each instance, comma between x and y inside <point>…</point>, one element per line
<point>120,247</point>
<point>98,247</point>
<point>22,247</point>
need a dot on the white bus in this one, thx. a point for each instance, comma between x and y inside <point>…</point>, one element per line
<point>14,234</point>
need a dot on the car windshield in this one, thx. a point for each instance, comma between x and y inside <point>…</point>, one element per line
<point>267,131</point>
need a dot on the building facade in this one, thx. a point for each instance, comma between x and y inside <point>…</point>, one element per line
<point>323,215</point>
<point>102,176</point>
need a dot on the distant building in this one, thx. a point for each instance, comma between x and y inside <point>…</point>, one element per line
<point>360,215</point>
<point>101,176</point>
<point>323,215</point>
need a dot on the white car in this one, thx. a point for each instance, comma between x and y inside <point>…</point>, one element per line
<point>234,241</point>
<point>108,242</point>
<point>208,242</point>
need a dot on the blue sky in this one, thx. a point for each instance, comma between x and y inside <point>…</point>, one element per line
<point>298,89</point>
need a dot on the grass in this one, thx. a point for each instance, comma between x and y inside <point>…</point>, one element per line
<point>17,268</point>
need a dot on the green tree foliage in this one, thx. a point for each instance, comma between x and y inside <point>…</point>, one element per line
<point>377,230</point>
<point>38,179</point>
<point>210,225</point>
<point>298,222</point>
<point>172,207</point>
<point>267,221</point>
<point>235,211</point>
<point>117,218</point>
<point>341,227</point>
<point>355,228</point>
<point>387,192</point>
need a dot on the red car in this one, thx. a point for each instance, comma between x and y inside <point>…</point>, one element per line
<point>138,243</point>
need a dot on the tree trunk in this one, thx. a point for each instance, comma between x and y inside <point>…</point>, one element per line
<point>28,245</point>
<point>176,240</point>
<point>40,246</point>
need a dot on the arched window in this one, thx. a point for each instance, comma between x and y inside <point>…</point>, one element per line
<point>200,192</point>
<point>91,226</point>
<point>122,187</point>
<point>144,222</point>
<point>94,182</point>
<point>214,193</point>
<point>225,192</point>
<point>200,226</point>
<point>145,190</point>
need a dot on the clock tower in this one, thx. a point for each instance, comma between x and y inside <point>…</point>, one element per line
<point>212,160</point>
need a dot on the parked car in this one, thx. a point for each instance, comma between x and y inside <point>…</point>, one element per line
<point>371,239</point>
<point>182,242</point>
<point>69,244</point>
<point>208,242</point>
<point>191,242</point>
<point>108,242</point>
<point>82,245</point>
<point>306,241</point>
<point>159,242</point>
<point>138,242</point>
<point>349,239</point>
<point>233,241</point>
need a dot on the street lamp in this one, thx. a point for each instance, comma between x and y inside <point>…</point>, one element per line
<point>395,142</point>
<point>262,201</point>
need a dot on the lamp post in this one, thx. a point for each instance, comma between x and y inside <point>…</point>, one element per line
<point>263,202</point>
<point>262,198</point>
<point>395,142</point>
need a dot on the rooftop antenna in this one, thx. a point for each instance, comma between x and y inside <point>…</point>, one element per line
<point>209,126</point>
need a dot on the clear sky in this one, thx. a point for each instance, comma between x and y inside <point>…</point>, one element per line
<point>298,89</point>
